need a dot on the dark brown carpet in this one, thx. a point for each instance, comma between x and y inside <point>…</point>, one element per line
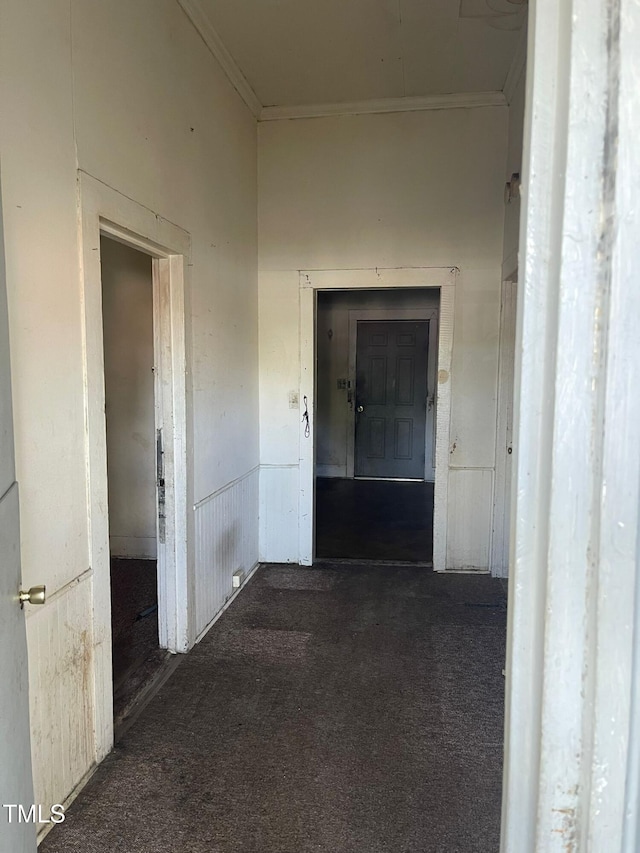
<point>134,627</point>
<point>340,709</point>
<point>374,520</point>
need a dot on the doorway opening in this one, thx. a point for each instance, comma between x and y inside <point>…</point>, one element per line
<point>133,475</point>
<point>376,356</point>
<point>107,213</point>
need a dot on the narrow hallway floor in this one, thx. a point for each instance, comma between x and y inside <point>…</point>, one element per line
<point>374,520</point>
<point>339,709</point>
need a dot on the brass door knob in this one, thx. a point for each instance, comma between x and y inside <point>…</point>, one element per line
<point>35,595</point>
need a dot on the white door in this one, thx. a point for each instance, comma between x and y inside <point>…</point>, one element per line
<point>16,786</point>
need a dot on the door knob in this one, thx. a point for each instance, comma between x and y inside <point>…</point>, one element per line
<point>361,408</point>
<point>35,595</point>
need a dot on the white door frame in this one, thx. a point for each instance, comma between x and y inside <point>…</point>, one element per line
<point>312,281</point>
<point>105,211</point>
<point>431,316</point>
<point>499,555</point>
<point>572,745</point>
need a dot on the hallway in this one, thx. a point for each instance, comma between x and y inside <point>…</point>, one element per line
<point>339,709</point>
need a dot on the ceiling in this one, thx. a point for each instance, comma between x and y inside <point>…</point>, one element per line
<point>295,52</point>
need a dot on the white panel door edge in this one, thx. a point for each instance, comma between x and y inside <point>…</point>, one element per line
<point>16,784</point>
<point>499,564</point>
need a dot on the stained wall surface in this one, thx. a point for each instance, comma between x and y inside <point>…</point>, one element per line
<point>129,93</point>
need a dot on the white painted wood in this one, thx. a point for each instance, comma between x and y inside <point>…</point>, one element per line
<point>62,720</point>
<point>16,784</point>
<point>279,490</point>
<point>443,424</point>
<point>455,101</point>
<point>200,20</point>
<point>625,358</point>
<point>307,454</point>
<point>226,540</point>
<point>397,314</point>
<point>504,435</point>
<point>469,513</point>
<point>310,282</point>
<point>103,210</point>
<point>572,743</point>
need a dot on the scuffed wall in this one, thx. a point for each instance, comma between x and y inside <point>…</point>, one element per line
<point>129,93</point>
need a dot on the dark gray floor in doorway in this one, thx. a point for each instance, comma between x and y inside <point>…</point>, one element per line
<point>136,655</point>
<point>339,709</point>
<point>374,520</point>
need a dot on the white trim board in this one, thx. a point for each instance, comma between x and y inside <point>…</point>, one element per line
<point>103,210</point>
<point>459,100</point>
<point>499,559</point>
<point>194,10</point>
<point>312,281</point>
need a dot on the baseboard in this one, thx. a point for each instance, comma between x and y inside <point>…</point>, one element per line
<point>134,547</point>
<point>229,601</point>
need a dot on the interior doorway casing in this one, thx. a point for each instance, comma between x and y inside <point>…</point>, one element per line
<point>104,211</point>
<point>312,281</point>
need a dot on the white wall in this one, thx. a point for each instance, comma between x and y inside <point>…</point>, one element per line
<point>394,190</point>
<point>333,419</point>
<point>129,93</point>
<point>127,311</point>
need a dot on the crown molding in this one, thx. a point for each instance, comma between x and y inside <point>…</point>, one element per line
<point>517,67</point>
<point>385,105</point>
<point>194,11</point>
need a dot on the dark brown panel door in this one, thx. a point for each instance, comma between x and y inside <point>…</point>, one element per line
<point>391,398</point>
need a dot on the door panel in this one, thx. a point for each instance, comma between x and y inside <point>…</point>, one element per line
<point>391,398</point>
<point>16,785</point>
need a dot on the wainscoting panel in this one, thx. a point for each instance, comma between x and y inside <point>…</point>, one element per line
<point>469,518</point>
<point>279,495</point>
<point>226,540</point>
